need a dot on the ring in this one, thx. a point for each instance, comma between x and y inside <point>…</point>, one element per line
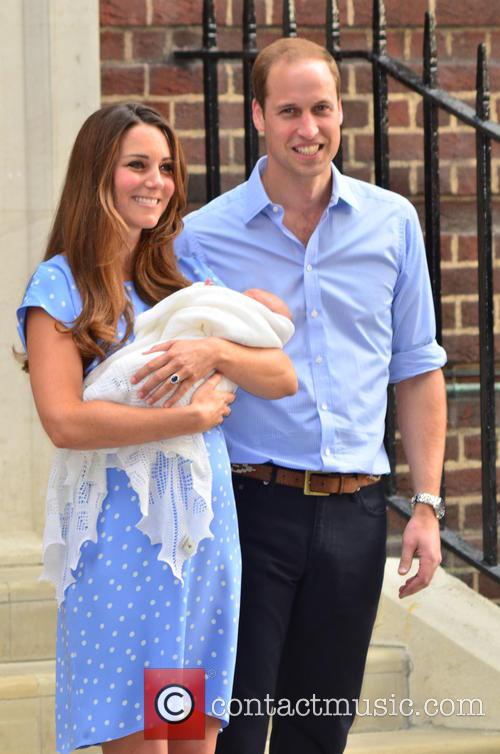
<point>174,379</point>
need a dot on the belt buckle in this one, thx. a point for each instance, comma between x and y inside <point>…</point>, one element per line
<point>307,485</point>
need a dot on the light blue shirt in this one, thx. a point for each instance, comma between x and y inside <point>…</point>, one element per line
<point>361,302</point>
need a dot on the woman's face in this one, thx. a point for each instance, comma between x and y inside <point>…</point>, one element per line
<point>143,182</point>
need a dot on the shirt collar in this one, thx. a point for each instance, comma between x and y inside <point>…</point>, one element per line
<point>341,189</point>
<point>257,198</point>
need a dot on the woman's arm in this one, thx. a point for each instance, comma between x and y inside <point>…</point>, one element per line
<point>266,372</point>
<point>57,382</point>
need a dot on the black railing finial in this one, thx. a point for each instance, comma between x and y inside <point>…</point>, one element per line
<point>249,26</point>
<point>482,84</point>
<point>332,27</point>
<point>430,51</point>
<point>379,28</point>
<point>209,24</point>
<point>249,51</point>
<point>289,22</point>
<point>210,87</point>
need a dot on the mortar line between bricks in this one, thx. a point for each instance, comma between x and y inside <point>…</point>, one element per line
<point>350,12</point>
<point>465,464</point>
<point>460,331</point>
<point>149,12</point>
<point>198,134</point>
<point>196,169</point>
<point>459,298</point>
<point>127,46</point>
<point>269,12</point>
<point>461,448</point>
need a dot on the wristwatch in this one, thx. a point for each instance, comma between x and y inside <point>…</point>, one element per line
<point>437,503</point>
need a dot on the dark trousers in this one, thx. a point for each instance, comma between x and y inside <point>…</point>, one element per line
<point>312,575</point>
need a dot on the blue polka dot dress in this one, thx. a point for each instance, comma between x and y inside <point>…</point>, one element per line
<point>126,611</point>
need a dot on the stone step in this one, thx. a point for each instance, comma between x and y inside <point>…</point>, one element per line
<point>424,741</point>
<point>386,678</point>
<point>27,698</point>
<point>22,548</point>
<point>28,615</point>
<point>27,708</point>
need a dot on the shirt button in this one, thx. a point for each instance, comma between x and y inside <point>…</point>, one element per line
<point>309,267</point>
<point>324,407</point>
<point>319,359</point>
<point>276,209</point>
<point>327,451</point>
<point>314,313</point>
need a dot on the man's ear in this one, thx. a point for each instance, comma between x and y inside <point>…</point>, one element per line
<point>341,112</point>
<point>258,116</point>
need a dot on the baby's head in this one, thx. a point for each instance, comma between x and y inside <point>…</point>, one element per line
<point>273,302</point>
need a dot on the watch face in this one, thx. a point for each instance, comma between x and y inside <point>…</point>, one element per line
<point>440,508</point>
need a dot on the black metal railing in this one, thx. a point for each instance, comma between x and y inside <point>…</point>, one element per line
<point>434,99</point>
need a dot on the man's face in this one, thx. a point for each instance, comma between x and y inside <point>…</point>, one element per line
<point>301,119</point>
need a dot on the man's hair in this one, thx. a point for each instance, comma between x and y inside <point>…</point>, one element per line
<point>289,49</point>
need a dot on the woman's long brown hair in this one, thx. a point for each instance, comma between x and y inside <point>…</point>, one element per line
<point>90,232</point>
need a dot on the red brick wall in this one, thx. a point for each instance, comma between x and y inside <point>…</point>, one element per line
<point>138,38</point>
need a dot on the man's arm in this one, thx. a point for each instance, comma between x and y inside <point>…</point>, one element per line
<point>421,408</point>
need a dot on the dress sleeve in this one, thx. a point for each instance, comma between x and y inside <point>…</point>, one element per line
<point>51,288</point>
<point>414,346</point>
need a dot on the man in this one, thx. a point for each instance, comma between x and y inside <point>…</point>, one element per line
<point>348,259</point>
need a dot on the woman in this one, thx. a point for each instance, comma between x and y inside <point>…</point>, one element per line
<point>109,258</point>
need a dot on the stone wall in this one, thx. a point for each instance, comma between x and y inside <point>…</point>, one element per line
<point>49,84</point>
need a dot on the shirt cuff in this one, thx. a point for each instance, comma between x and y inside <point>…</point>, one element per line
<point>423,359</point>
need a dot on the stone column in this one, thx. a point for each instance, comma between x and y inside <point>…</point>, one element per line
<point>49,83</point>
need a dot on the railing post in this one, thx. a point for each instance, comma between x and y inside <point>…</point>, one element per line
<point>332,44</point>
<point>332,27</point>
<point>211,93</point>
<point>381,153</point>
<point>486,332</point>
<point>380,115</point>
<point>249,49</point>
<point>431,168</point>
<point>289,23</point>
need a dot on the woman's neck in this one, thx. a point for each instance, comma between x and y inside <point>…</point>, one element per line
<point>127,257</point>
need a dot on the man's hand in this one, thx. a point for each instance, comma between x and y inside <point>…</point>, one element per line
<point>420,539</point>
<point>189,359</point>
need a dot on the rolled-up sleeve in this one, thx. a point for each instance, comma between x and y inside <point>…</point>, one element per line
<point>414,346</point>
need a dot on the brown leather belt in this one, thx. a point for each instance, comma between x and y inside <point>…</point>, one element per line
<point>311,482</point>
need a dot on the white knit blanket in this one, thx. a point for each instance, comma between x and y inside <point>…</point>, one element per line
<point>172,478</point>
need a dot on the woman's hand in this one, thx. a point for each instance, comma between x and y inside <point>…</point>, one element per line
<point>212,404</point>
<point>190,360</point>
